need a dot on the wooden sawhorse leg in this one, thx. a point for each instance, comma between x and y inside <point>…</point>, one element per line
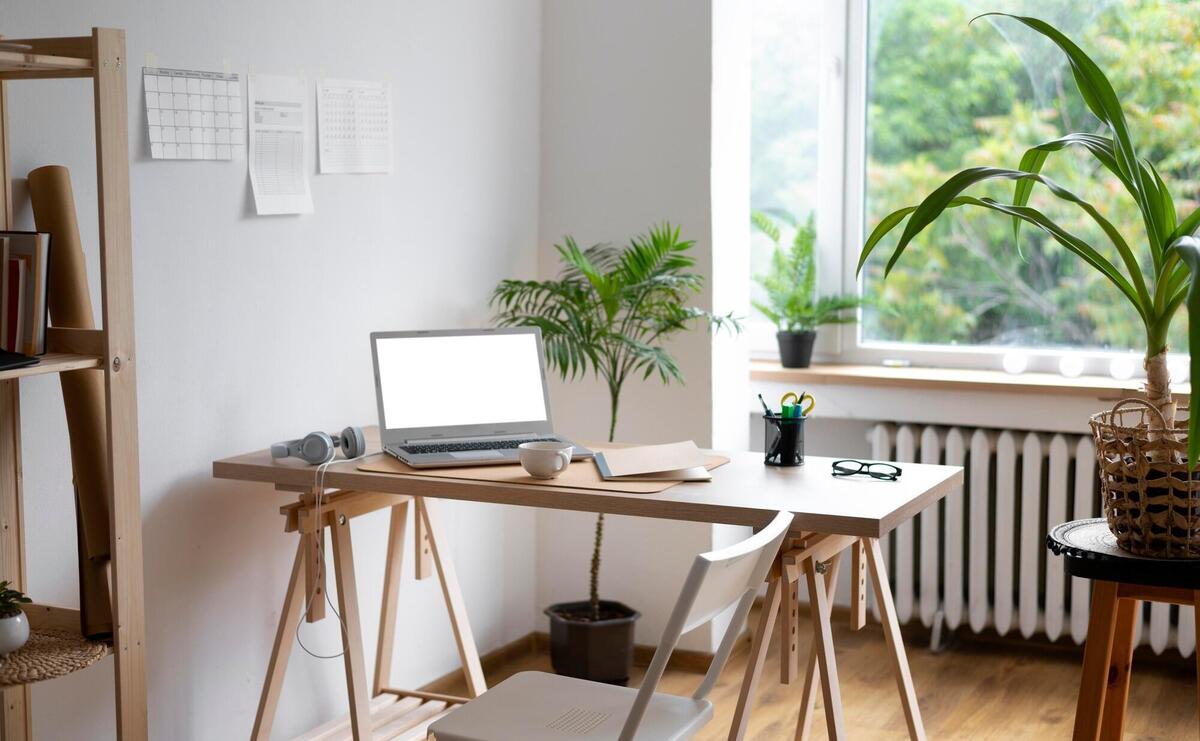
<point>758,654</point>
<point>430,540</point>
<point>895,642</point>
<point>392,711</point>
<point>809,695</point>
<point>285,634</point>
<point>796,554</point>
<point>865,553</point>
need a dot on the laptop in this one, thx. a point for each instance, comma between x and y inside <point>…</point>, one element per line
<point>462,397</point>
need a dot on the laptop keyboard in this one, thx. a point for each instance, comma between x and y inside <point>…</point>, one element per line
<point>481,445</point>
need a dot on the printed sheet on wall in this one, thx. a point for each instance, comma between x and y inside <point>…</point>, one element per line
<point>194,115</point>
<point>354,126</point>
<point>279,142</point>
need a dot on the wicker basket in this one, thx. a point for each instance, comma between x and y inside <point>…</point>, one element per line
<point>1151,500</point>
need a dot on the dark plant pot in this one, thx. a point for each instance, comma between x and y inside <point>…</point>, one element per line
<point>599,650</point>
<point>795,348</point>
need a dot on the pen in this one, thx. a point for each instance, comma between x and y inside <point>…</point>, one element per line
<point>766,409</point>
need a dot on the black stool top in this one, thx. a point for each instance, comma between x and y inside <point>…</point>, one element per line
<point>1091,552</point>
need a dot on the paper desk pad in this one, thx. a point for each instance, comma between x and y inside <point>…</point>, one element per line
<point>579,475</point>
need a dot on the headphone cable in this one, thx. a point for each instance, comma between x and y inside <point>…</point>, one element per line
<point>320,543</point>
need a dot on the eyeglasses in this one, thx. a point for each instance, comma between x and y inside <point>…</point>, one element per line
<point>880,471</point>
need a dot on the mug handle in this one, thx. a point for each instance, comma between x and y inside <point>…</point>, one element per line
<point>562,460</point>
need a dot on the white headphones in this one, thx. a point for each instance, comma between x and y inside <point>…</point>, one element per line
<point>320,447</point>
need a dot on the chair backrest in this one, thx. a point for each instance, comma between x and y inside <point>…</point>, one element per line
<point>716,581</point>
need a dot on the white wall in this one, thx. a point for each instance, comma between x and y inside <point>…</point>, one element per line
<point>251,330</point>
<point>627,139</point>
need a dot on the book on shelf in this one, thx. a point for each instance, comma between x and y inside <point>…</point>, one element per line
<point>4,292</point>
<point>24,283</point>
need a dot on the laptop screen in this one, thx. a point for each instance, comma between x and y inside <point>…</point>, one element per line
<point>475,379</point>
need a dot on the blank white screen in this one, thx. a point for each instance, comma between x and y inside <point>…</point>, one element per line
<point>466,380</point>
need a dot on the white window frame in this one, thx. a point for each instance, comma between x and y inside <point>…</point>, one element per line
<point>841,169</point>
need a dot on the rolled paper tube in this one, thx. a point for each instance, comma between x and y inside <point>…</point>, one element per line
<point>70,305</point>
<point>95,609</point>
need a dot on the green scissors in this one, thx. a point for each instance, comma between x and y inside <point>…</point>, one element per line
<point>795,408</point>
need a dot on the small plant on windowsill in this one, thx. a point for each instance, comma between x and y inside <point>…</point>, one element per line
<point>608,314</point>
<point>792,304</point>
<point>14,626</point>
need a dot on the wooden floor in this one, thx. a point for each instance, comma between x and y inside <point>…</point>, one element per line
<point>973,690</point>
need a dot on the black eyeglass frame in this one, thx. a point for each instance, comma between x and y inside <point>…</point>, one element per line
<point>864,469</point>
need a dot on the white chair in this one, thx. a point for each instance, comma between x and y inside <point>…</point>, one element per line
<point>535,706</point>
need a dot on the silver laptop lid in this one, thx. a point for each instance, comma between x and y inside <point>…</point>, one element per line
<point>460,383</point>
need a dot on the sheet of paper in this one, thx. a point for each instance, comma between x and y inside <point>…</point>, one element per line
<point>194,115</point>
<point>279,145</point>
<point>648,459</point>
<point>354,126</point>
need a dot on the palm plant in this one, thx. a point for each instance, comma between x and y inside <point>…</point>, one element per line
<point>608,313</point>
<point>791,284</point>
<point>1157,279</point>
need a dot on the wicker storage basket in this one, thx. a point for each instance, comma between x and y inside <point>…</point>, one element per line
<point>1151,500</point>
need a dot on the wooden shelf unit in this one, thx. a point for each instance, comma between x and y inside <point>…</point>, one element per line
<point>110,351</point>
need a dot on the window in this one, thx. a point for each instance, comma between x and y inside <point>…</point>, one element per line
<point>785,90</point>
<point>928,93</point>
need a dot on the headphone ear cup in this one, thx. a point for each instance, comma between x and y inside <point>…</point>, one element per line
<point>316,448</point>
<point>354,442</point>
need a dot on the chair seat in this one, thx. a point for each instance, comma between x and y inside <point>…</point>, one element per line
<point>535,706</point>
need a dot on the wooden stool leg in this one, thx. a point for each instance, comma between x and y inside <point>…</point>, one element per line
<point>352,642</point>
<point>1096,656</point>
<point>823,647</point>
<point>468,653</point>
<point>285,634</point>
<point>758,654</point>
<point>391,597</point>
<point>895,642</point>
<point>808,698</point>
<point>1120,664</point>
<point>1196,620</point>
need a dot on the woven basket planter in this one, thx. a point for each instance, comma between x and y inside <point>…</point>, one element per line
<point>1151,500</point>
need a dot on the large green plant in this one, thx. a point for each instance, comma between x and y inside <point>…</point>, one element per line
<point>608,313</point>
<point>1171,255</point>
<point>792,303</point>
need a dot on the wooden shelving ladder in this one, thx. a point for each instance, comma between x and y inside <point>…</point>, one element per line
<point>101,57</point>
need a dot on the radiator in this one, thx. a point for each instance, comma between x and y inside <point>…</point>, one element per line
<point>979,558</point>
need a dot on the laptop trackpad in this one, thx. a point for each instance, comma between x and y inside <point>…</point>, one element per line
<point>476,455</point>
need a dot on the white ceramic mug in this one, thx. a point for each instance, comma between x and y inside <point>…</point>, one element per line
<point>545,460</point>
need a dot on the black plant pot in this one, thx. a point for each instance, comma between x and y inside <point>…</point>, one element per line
<point>599,650</point>
<point>795,348</point>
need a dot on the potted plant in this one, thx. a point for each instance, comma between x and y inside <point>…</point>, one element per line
<point>1141,445</point>
<point>608,313</point>
<point>792,303</point>
<point>14,626</point>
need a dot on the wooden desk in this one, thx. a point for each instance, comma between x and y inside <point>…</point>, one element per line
<point>831,515</point>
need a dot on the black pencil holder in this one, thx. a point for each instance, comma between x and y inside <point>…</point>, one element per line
<point>785,440</point>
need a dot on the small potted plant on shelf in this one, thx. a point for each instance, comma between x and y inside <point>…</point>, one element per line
<point>14,626</point>
<point>1147,452</point>
<point>608,314</point>
<point>792,303</point>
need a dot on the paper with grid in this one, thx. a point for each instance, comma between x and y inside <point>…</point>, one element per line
<point>354,126</point>
<point>194,115</point>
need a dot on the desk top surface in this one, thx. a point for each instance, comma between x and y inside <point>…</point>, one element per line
<point>742,492</point>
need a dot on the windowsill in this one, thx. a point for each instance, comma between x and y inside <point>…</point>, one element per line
<point>949,379</point>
